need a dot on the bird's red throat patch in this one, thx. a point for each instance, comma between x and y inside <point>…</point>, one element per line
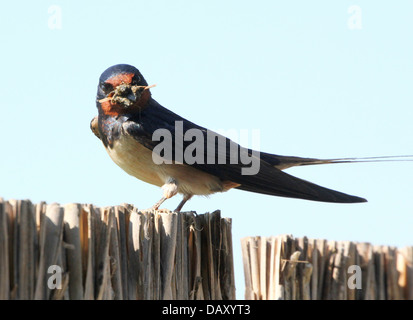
<point>113,109</point>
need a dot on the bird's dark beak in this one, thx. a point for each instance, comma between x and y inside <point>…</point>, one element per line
<point>127,95</point>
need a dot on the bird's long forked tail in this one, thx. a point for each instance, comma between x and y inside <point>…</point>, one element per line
<point>279,183</point>
<point>272,181</point>
<point>284,162</point>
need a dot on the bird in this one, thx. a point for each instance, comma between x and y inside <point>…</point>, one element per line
<point>129,118</point>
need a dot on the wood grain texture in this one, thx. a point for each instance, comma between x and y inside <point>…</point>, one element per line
<point>288,268</point>
<point>79,251</point>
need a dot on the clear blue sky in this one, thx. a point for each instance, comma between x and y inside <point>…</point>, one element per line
<point>292,69</point>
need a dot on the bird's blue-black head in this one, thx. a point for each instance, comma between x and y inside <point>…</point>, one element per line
<point>122,89</point>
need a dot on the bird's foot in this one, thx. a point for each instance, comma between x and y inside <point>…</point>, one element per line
<point>163,210</point>
<point>155,210</point>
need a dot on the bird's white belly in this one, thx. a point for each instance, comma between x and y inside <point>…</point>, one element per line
<point>137,161</point>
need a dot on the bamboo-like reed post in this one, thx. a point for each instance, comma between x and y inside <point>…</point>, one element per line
<point>288,268</point>
<point>49,251</point>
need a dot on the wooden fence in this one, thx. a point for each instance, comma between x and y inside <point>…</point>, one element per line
<point>49,251</point>
<point>288,268</point>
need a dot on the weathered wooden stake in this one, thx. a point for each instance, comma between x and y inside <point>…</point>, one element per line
<point>287,268</point>
<point>85,252</point>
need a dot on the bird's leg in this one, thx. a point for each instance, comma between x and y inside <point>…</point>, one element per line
<point>157,205</point>
<point>170,188</point>
<point>181,204</point>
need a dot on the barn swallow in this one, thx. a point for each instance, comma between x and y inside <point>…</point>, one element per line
<point>127,118</point>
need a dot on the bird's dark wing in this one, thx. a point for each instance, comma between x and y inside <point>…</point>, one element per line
<point>269,179</point>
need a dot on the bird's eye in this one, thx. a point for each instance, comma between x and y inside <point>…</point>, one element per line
<point>135,80</point>
<point>107,87</point>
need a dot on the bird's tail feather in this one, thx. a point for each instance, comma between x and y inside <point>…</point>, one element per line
<point>274,182</point>
<point>284,162</point>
